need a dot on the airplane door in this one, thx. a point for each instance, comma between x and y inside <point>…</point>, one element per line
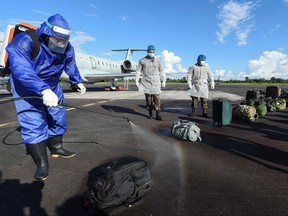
<point>93,62</point>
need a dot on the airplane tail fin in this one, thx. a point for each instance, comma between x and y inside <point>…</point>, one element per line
<point>129,52</point>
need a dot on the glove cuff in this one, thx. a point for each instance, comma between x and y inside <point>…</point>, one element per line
<point>46,91</point>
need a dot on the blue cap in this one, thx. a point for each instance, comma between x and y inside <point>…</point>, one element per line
<point>150,47</point>
<point>201,58</point>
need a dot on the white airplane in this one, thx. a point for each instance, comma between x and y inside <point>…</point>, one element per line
<point>92,68</point>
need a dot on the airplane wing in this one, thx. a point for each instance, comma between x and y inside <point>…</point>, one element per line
<point>93,77</point>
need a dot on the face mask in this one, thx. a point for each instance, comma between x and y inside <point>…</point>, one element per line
<point>151,55</point>
<point>57,47</point>
<point>202,63</point>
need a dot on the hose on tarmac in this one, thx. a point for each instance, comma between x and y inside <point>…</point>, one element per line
<point>61,104</point>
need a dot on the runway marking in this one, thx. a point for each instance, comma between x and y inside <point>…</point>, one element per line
<point>70,109</point>
<point>102,101</point>
<point>9,123</point>
<point>86,105</point>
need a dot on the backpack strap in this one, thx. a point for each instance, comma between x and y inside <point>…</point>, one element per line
<point>36,44</point>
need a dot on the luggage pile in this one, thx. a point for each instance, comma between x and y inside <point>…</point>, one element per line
<point>259,103</point>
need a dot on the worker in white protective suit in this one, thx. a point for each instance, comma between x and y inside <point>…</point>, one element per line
<point>153,77</point>
<point>199,77</point>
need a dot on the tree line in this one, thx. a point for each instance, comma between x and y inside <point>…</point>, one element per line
<point>246,80</point>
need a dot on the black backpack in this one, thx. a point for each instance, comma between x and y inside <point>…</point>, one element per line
<point>118,183</point>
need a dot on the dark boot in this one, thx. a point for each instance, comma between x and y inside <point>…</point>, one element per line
<point>192,112</point>
<point>39,154</point>
<point>150,114</point>
<point>205,113</point>
<point>158,116</point>
<point>55,145</point>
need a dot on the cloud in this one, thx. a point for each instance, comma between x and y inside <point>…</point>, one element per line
<point>235,18</point>
<point>220,73</point>
<point>92,15</point>
<point>93,6</point>
<point>124,17</point>
<point>79,39</point>
<point>170,60</point>
<point>271,31</point>
<point>270,64</point>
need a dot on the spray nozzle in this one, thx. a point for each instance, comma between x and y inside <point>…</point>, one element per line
<point>128,120</point>
<point>61,104</point>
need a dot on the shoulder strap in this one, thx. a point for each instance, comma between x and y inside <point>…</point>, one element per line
<point>36,44</point>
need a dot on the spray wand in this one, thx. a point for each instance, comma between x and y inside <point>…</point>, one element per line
<point>61,104</point>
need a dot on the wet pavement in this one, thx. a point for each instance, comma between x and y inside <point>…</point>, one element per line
<point>241,169</point>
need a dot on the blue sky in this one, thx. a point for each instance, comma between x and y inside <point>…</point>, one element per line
<point>239,38</point>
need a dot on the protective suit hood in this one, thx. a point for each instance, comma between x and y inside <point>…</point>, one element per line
<point>54,26</point>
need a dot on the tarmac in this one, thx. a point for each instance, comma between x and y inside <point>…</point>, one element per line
<point>241,169</point>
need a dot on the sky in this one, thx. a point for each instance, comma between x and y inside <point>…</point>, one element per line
<point>239,38</point>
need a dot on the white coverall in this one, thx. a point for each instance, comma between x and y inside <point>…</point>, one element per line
<point>198,78</point>
<point>152,75</point>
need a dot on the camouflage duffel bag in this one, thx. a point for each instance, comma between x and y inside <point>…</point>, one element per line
<point>245,112</point>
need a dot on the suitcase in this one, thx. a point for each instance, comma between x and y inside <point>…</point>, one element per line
<point>251,94</point>
<point>273,91</point>
<point>222,112</point>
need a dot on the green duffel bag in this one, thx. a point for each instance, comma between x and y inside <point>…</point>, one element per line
<point>251,102</point>
<point>261,107</point>
<point>280,103</point>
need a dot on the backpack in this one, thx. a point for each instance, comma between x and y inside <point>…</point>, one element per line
<point>270,104</point>
<point>186,130</point>
<point>280,103</point>
<point>119,183</point>
<point>30,30</point>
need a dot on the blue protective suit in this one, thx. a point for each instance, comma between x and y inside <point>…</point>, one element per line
<point>29,77</point>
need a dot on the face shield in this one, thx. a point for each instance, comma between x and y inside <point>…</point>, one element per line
<point>60,39</point>
<point>58,44</point>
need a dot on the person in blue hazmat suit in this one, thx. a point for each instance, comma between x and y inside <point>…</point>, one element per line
<point>199,76</point>
<point>153,78</point>
<point>43,122</point>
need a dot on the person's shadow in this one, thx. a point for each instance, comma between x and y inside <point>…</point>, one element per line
<point>122,110</point>
<point>16,198</point>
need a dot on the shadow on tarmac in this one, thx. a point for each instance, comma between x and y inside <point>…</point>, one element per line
<point>16,198</point>
<point>123,110</point>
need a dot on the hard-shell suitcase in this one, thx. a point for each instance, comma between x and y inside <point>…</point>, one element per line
<point>251,94</point>
<point>222,112</point>
<point>273,91</point>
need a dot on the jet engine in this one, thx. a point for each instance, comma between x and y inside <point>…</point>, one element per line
<point>129,66</point>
